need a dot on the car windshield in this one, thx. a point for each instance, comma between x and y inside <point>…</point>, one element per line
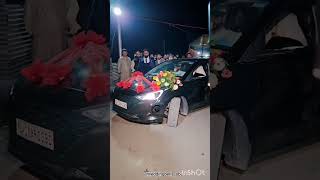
<point>178,67</point>
<point>232,19</point>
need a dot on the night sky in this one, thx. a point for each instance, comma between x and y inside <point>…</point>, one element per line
<point>138,33</point>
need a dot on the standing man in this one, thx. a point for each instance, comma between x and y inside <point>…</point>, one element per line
<point>146,63</point>
<point>136,60</point>
<point>124,66</point>
<point>159,59</point>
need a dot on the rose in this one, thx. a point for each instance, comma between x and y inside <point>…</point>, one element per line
<point>316,73</point>
<point>127,85</point>
<point>158,83</point>
<point>161,73</point>
<point>219,64</point>
<point>155,86</point>
<point>137,73</point>
<point>178,81</point>
<point>226,73</point>
<point>120,84</point>
<point>166,84</point>
<point>163,80</point>
<point>140,89</point>
<point>213,80</point>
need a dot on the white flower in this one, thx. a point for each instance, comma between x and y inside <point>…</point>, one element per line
<point>213,80</point>
<point>166,84</point>
<point>316,73</point>
<point>219,65</point>
<point>175,87</point>
<point>178,81</point>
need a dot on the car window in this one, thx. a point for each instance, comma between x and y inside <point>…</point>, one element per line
<point>287,33</point>
<point>200,71</point>
<point>178,67</point>
<point>230,20</point>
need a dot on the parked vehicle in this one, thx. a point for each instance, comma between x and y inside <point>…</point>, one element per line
<point>272,100</point>
<point>152,107</point>
<point>56,132</point>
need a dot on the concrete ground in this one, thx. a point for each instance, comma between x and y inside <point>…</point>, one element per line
<point>147,147</point>
<point>136,148</point>
<point>8,164</point>
<point>302,164</point>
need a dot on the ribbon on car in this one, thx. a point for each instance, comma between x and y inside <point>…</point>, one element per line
<point>137,77</point>
<point>91,49</point>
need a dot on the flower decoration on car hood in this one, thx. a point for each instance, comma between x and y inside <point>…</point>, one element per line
<point>167,80</point>
<point>91,49</point>
<point>137,78</point>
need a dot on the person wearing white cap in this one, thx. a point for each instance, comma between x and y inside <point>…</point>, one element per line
<point>124,66</point>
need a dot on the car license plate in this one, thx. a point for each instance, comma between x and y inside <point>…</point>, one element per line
<point>121,104</point>
<point>35,134</point>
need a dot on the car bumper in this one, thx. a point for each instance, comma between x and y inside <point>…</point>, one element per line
<point>141,113</point>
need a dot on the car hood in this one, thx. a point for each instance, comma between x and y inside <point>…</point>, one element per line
<point>25,92</point>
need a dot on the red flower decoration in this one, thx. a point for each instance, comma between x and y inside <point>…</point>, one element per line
<point>96,86</point>
<point>226,73</point>
<point>137,73</point>
<point>127,84</point>
<point>32,72</point>
<point>81,39</point>
<point>155,87</point>
<point>120,84</point>
<point>213,59</point>
<point>140,89</point>
<point>55,74</point>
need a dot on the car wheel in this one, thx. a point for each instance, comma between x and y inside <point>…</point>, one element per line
<point>173,113</point>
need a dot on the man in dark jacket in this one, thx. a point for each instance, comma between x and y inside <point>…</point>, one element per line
<point>146,63</point>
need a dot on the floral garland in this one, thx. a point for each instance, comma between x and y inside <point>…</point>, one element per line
<point>87,46</point>
<point>162,80</point>
<point>167,79</point>
<point>140,80</point>
<point>219,68</point>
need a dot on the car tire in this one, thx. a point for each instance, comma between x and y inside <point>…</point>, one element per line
<point>174,110</point>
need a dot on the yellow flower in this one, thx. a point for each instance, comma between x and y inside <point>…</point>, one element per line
<point>155,78</point>
<point>165,74</point>
<point>158,83</point>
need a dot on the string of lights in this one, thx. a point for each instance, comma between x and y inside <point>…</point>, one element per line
<point>176,25</point>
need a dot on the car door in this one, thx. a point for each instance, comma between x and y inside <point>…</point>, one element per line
<point>196,85</point>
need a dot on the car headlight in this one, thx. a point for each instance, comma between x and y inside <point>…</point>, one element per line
<point>151,95</point>
<point>98,114</point>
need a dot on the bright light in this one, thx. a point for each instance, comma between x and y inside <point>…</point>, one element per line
<point>151,96</point>
<point>206,55</point>
<point>198,53</point>
<point>117,11</point>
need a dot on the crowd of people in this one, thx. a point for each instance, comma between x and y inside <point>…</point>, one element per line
<point>143,62</point>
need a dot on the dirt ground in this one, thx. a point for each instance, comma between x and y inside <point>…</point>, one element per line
<point>137,148</point>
